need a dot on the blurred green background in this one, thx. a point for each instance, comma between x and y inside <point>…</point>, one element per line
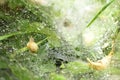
<point>66,31</point>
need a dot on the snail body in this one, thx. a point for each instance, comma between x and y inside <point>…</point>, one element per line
<point>104,62</point>
<point>100,64</point>
<point>32,46</point>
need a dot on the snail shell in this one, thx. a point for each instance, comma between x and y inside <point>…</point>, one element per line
<point>32,46</point>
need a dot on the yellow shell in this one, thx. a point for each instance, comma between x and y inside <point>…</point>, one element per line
<point>32,46</point>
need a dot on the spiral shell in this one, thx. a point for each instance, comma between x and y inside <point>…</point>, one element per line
<point>32,46</point>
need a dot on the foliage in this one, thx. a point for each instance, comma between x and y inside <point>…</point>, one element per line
<point>56,59</point>
<point>57,77</point>
<point>20,20</point>
<point>80,68</point>
<point>103,8</point>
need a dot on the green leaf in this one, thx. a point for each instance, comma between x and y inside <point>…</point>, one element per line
<point>3,62</point>
<point>48,31</point>
<point>96,16</point>
<point>57,77</point>
<point>52,37</point>
<point>54,41</point>
<point>25,25</point>
<point>15,3</point>
<point>11,34</point>
<point>22,73</point>
<point>77,67</point>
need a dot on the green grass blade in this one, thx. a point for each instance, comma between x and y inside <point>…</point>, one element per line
<point>25,48</point>
<point>96,16</point>
<point>45,31</point>
<point>11,34</point>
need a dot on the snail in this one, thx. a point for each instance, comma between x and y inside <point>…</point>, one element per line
<point>32,46</point>
<point>100,64</point>
<point>104,62</point>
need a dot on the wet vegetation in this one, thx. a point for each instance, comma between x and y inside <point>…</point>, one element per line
<point>63,43</point>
